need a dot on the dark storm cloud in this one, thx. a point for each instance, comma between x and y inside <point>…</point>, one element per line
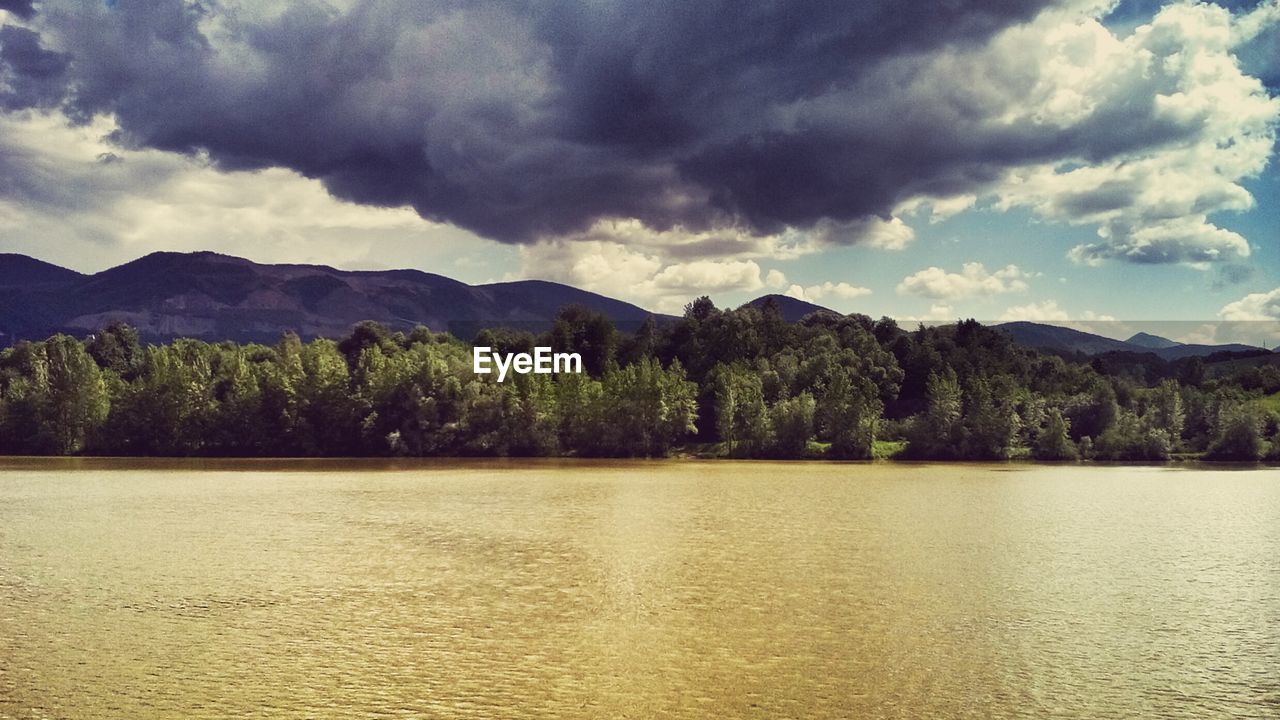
<point>519,119</point>
<point>35,76</point>
<point>21,8</point>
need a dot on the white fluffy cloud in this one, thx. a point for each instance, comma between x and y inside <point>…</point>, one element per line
<point>613,269</point>
<point>1249,328</point>
<point>1089,321</point>
<point>938,313</point>
<point>1175,77</point>
<point>815,293</point>
<point>1144,135</point>
<point>1102,324</point>
<point>681,245</point>
<point>973,280</point>
<point>1047,311</point>
<point>938,208</point>
<point>708,276</point>
<point>1206,334</point>
<point>1253,307</point>
<point>653,280</point>
<point>663,270</point>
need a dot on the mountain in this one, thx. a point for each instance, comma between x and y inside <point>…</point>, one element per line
<point>1066,340</point>
<point>543,299</point>
<point>1060,339</point>
<point>1154,342</point>
<point>1180,351</point>
<point>792,309</point>
<point>20,271</point>
<point>218,297</point>
<point>29,290</point>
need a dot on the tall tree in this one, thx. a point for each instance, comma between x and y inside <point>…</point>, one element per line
<point>1054,441</point>
<point>937,432</point>
<point>740,410</point>
<point>76,401</point>
<point>588,333</point>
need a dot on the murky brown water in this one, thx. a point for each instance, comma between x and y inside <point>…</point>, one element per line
<point>666,589</point>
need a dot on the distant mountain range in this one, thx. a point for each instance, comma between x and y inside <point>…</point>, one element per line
<point>218,297</point>
<point>1052,338</point>
<point>1067,340</point>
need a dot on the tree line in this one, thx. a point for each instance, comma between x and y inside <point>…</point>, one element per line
<point>739,383</point>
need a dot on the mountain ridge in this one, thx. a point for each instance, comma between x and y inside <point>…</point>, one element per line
<point>1055,338</point>
<point>213,296</point>
<point>18,270</point>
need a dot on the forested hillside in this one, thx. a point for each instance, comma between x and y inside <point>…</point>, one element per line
<point>742,383</point>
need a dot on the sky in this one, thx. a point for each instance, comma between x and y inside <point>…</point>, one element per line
<point>1072,161</point>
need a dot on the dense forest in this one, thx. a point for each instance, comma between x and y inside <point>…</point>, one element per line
<point>739,383</point>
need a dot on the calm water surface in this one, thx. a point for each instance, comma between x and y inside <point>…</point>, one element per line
<point>641,589</point>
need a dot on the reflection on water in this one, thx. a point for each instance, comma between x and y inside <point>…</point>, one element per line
<point>640,589</point>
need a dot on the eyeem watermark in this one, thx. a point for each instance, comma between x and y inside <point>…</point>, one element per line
<point>541,362</point>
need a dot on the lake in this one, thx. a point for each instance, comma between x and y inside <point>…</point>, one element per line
<point>490,589</point>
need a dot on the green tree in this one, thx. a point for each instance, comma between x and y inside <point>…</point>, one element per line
<point>1130,438</point>
<point>1093,411</point>
<point>1164,410</point>
<point>792,422</point>
<point>365,335</point>
<point>643,344</point>
<point>328,412</point>
<point>23,394</point>
<point>937,432</point>
<point>235,427</point>
<point>579,407</point>
<point>990,422</point>
<point>116,348</point>
<point>1054,441</point>
<point>1239,436</point>
<point>740,411</point>
<point>588,333</point>
<point>847,413</point>
<point>644,409</point>
<point>169,408</point>
<point>76,401</point>
<point>533,419</point>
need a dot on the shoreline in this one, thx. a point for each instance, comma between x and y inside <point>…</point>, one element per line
<point>367,462</point>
